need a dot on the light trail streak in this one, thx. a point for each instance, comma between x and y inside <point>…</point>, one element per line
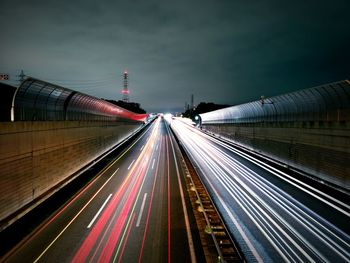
<point>297,212</point>
<point>294,231</point>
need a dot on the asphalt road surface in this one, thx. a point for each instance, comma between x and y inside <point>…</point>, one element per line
<point>133,211</point>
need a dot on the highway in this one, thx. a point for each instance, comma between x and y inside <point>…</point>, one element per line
<point>133,211</point>
<point>273,216</point>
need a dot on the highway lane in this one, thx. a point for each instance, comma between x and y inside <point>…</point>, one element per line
<point>133,211</point>
<point>272,222</point>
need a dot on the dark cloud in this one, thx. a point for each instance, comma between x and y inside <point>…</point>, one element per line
<point>220,51</point>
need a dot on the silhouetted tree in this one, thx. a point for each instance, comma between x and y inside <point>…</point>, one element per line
<point>203,107</point>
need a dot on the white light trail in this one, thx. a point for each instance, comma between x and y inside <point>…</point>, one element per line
<point>294,231</point>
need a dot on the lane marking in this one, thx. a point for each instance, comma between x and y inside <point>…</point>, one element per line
<point>142,147</point>
<point>99,211</point>
<point>141,210</point>
<point>153,163</point>
<point>131,164</point>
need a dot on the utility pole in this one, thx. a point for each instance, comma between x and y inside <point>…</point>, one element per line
<point>21,76</point>
<point>192,102</point>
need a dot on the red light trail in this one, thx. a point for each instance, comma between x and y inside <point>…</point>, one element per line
<point>129,190</point>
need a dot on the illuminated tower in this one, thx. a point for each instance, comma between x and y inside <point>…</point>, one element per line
<point>125,90</point>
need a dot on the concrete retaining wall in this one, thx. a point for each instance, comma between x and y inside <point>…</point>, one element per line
<point>36,156</point>
<point>320,149</point>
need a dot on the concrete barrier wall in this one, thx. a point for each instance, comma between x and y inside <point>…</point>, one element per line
<point>35,157</point>
<point>320,149</point>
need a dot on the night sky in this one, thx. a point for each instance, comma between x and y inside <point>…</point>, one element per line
<point>227,52</point>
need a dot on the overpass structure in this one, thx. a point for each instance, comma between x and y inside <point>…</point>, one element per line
<point>307,130</point>
<point>50,136</point>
